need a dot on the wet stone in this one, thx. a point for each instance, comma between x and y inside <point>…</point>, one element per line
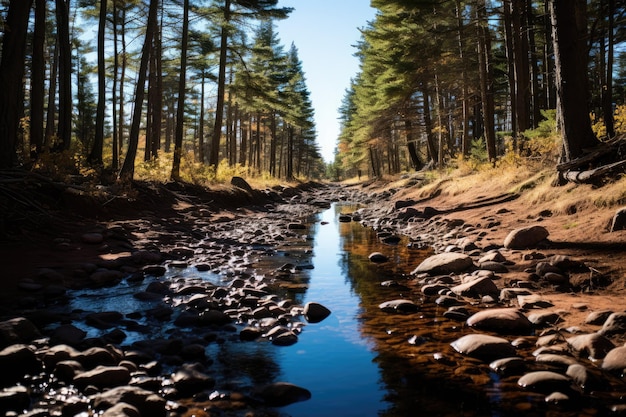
<point>615,360</point>
<point>614,324</point>
<point>598,317</point>
<point>476,288</point>
<point>501,320</point>
<point>509,366</point>
<point>483,346</point>
<point>281,394</point>
<point>103,377</point>
<point>545,382</point>
<point>377,257</point>
<point>315,312</point>
<point>399,306</point>
<point>594,345</point>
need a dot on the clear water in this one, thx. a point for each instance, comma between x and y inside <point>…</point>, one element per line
<point>332,359</point>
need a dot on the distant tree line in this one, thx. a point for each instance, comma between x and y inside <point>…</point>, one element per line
<point>439,78</point>
<point>203,80</point>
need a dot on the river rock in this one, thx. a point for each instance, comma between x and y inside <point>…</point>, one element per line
<point>483,346</point>
<point>615,360</point>
<point>147,402</point>
<point>594,345</point>
<point>545,382</point>
<point>619,220</point>
<point>97,356</point>
<point>16,361</point>
<point>280,394</point>
<point>188,380</point>
<point>240,183</point>
<point>545,318</point>
<point>68,334</point>
<point>67,370</point>
<point>476,288</point>
<point>287,338</point>
<point>589,380</point>
<point>399,306</point>
<point>444,263</point>
<point>614,324</point>
<point>250,333</point>
<point>501,320</point>
<point>106,278</point>
<point>122,410</point>
<point>598,317</point>
<point>103,377</point>
<point>525,237</point>
<point>315,312</point>
<point>17,330</point>
<point>92,238</point>
<point>14,399</point>
<point>509,366</point>
<point>377,257</point>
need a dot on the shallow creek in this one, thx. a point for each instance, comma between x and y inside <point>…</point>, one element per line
<point>359,361</point>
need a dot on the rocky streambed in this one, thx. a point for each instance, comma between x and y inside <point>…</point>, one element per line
<point>477,327</point>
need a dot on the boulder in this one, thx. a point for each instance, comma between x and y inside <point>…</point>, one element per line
<point>525,237</point>
<point>103,377</point>
<point>501,320</point>
<point>189,381</point>
<point>315,312</point>
<point>17,330</point>
<point>68,334</point>
<point>476,288</point>
<point>240,183</point>
<point>483,346</point>
<point>280,394</point>
<point>148,403</point>
<point>444,263</point>
<point>16,361</point>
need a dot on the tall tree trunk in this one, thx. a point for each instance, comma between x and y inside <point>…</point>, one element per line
<point>52,92</point>
<point>245,131</point>
<point>273,144</point>
<point>95,157</point>
<point>221,89</point>
<point>428,124</point>
<point>465,138</point>
<point>122,102</point>
<point>128,168</point>
<point>37,79</point>
<point>64,130</point>
<point>289,173</point>
<point>521,65</point>
<point>535,95</point>
<point>180,110</point>
<point>510,59</point>
<point>116,66</point>
<point>412,146</point>
<point>571,76</point>
<point>486,80</point>
<point>201,124</point>
<point>607,75</point>
<point>11,78</point>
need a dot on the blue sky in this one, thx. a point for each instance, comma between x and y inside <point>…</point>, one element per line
<point>324,31</point>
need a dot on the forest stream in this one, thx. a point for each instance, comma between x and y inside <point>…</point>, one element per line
<point>322,305</point>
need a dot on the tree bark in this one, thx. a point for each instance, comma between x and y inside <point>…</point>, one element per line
<point>128,168</point>
<point>180,110</point>
<point>95,157</point>
<point>11,79</point>
<point>486,80</point>
<point>64,129</point>
<point>570,56</point>
<point>37,79</point>
<point>221,88</point>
